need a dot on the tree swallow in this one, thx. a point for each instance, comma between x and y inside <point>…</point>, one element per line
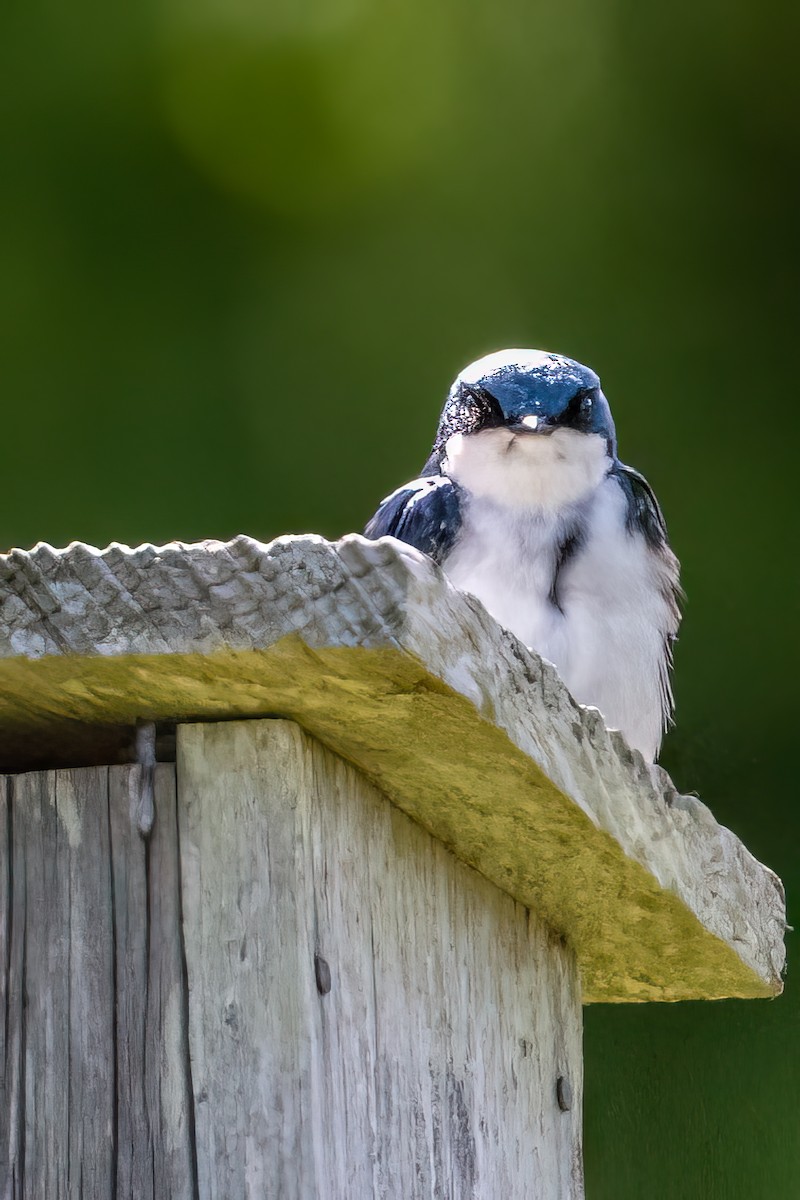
<point>525,504</point>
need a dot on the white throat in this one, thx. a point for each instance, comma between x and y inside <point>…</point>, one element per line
<point>528,470</point>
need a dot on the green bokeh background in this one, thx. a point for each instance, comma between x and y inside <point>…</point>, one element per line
<point>246,244</point>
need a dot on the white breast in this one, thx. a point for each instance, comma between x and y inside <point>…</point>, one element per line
<point>606,633</point>
<point>507,558</point>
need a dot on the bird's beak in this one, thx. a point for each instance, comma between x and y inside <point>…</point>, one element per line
<point>531,424</point>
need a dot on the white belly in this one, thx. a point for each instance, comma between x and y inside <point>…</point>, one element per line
<point>606,633</point>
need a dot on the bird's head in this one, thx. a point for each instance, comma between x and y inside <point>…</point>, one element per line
<point>526,428</point>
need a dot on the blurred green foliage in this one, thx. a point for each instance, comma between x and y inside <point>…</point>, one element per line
<point>246,246</point>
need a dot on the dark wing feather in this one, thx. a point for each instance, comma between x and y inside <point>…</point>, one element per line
<point>644,517</point>
<point>644,513</point>
<point>425,513</point>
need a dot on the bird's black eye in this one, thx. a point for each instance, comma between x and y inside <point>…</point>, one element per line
<point>578,413</point>
<point>486,412</point>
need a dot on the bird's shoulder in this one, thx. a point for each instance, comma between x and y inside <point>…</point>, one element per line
<point>425,513</point>
<point>643,512</point>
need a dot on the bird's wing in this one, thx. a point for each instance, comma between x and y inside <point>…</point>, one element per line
<point>425,513</point>
<point>644,518</point>
<point>644,513</point>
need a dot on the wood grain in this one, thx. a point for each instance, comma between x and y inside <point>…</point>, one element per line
<point>370,648</point>
<point>430,1068</point>
<point>95,1095</point>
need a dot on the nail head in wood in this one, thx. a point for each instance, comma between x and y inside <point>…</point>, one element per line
<point>323,975</point>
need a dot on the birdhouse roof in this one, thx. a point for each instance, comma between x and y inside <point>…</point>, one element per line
<point>370,648</point>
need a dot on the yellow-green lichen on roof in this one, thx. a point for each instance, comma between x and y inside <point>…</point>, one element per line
<point>368,647</point>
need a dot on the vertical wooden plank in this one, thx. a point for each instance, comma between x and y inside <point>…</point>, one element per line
<point>155,1155</point>
<point>250,969</point>
<point>81,801</point>
<point>5,921</point>
<point>168,1091</point>
<point>129,870</point>
<point>11,1074</point>
<point>155,1128</point>
<point>429,1067</point>
<point>95,1099</point>
<point>62,988</point>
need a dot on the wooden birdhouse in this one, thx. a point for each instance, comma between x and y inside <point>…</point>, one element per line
<point>307,868</point>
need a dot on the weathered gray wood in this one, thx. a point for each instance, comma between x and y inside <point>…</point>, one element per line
<point>11,1098</point>
<point>95,1096</point>
<point>59,1100</point>
<point>129,880</point>
<point>154,1107</point>
<point>368,647</point>
<point>430,1067</point>
<point>168,1090</point>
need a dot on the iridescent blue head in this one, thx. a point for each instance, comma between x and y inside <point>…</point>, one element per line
<point>525,392</point>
